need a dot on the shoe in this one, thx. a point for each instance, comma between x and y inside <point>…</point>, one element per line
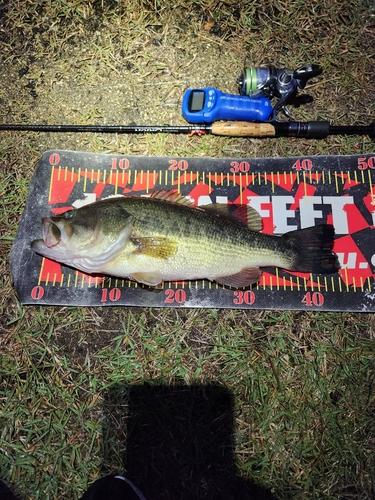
<point>6,493</point>
<point>113,488</point>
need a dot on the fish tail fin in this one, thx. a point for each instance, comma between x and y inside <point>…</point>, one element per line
<point>313,249</point>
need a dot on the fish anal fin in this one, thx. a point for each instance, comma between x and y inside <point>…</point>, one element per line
<point>173,196</point>
<point>150,279</point>
<point>157,247</point>
<point>246,277</point>
<point>243,215</point>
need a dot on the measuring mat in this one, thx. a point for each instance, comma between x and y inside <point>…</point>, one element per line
<point>289,193</point>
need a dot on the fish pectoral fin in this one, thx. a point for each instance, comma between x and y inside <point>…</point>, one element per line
<point>150,279</point>
<point>157,247</point>
<point>246,277</point>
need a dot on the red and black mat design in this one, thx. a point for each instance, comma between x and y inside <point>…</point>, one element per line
<point>289,193</point>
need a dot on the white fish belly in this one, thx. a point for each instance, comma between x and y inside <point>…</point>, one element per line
<point>193,261</point>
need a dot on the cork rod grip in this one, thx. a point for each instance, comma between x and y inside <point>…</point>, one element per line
<point>243,129</point>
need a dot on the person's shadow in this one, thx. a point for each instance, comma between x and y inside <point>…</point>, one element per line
<point>175,442</point>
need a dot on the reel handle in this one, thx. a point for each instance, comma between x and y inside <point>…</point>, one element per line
<point>306,72</point>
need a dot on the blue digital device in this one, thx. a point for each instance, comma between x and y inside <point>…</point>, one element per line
<point>209,104</point>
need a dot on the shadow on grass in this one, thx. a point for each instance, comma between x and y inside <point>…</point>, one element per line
<point>175,442</point>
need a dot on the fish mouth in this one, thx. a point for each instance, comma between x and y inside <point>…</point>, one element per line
<point>51,245</point>
<point>51,233</point>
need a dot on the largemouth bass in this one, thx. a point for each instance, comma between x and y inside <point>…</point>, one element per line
<point>164,238</point>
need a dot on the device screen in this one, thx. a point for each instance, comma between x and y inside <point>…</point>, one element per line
<point>196,101</point>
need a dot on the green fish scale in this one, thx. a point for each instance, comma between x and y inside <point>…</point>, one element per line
<point>201,232</point>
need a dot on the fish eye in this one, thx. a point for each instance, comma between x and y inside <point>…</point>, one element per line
<point>69,214</point>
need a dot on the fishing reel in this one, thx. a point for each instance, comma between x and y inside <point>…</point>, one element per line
<point>282,84</point>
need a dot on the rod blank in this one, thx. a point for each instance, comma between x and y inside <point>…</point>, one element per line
<point>310,130</point>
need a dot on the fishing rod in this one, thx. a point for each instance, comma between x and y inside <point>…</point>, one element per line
<point>249,114</point>
<point>309,130</point>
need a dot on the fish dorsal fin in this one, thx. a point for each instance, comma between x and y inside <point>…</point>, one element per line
<point>173,196</point>
<point>240,214</point>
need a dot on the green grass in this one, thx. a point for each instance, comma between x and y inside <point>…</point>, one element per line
<point>299,395</point>
<point>302,383</point>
